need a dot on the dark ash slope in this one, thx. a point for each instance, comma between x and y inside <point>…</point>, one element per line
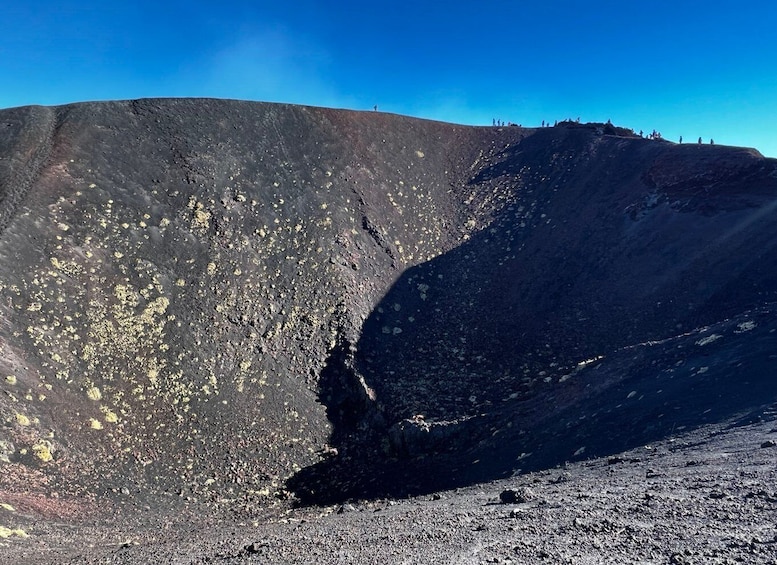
<point>210,298</point>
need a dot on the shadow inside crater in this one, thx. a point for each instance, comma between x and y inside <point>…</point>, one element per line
<point>535,343</point>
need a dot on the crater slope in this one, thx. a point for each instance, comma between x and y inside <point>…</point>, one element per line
<point>230,301</point>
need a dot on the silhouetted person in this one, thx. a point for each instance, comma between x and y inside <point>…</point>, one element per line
<point>640,133</point>
<point>375,107</point>
<point>543,123</point>
<point>681,139</point>
<point>712,141</point>
<point>700,141</point>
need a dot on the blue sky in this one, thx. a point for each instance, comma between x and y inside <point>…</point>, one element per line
<point>690,68</point>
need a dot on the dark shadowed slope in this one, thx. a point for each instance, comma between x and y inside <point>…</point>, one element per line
<point>623,290</point>
<point>205,297</point>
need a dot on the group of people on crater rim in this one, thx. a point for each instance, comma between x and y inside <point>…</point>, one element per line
<point>499,123</point>
<point>652,135</point>
<point>657,135</point>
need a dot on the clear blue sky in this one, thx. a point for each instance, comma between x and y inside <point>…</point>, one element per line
<point>690,68</point>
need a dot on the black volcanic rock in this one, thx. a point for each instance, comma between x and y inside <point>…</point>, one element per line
<point>223,297</point>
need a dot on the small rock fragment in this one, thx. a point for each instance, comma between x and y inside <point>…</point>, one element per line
<point>255,547</point>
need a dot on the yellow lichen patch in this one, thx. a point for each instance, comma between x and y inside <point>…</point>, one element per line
<point>11,379</point>
<point>153,375</point>
<point>110,415</point>
<point>201,219</point>
<point>8,532</point>
<point>95,424</point>
<point>241,377</point>
<point>8,507</point>
<point>211,269</point>
<point>42,451</point>
<point>157,306</point>
<point>22,420</point>
<point>94,393</point>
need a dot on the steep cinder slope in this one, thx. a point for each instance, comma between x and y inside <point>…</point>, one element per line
<point>225,299</point>
<point>624,289</point>
<point>174,275</point>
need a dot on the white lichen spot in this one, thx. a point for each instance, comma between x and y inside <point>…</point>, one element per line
<point>419,154</point>
<point>63,226</point>
<point>709,339</point>
<point>586,362</point>
<point>211,269</point>
<point>95,424</point>
<point>94,393</point>
<point>11,379</point>
<point>745,327</point>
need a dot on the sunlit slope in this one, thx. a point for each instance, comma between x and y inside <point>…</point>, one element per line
<point>173,274</point>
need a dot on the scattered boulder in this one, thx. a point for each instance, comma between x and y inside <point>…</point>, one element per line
<point>516,496</point>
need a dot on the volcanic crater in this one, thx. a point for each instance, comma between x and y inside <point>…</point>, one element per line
<point>249,305</point>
